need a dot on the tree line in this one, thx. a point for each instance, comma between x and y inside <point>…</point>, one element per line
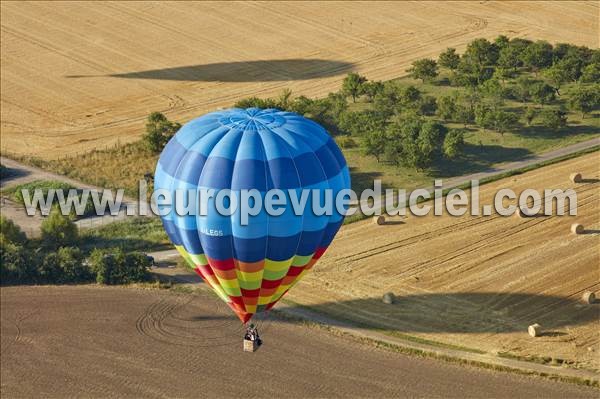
<point>55,258</point>
<point>405,126</point>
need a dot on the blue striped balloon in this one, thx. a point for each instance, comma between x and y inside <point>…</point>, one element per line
<point>252,265</point>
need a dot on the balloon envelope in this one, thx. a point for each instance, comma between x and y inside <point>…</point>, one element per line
<point>251,265</point>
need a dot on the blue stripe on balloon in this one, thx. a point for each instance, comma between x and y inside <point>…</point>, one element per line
<point>193,131</point>
<point>329,233</point>
<point>328,161</point>
<point>335,150</point>
<point>172,231</point>
<point>171,156</point>
<point>254,249</point>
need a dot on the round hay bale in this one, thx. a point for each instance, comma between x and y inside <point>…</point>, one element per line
<point>388,298</point>
<point>535,330</point>
<point>576,177</point>
<point>576,228</point>
<point>379,220</point>
<point>589,297</point>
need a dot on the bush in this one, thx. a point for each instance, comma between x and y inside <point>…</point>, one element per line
<point>454,143</point>
<point>58,230</point>
<point>10,232</point>
<point>49,269</point>
<point>255,102</point>
<point>16,264</point>
<point>72,267</point>
<point>118,267</point>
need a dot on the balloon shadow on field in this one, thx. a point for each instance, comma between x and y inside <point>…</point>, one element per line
<point>459,313</point>
<point>241,71</point>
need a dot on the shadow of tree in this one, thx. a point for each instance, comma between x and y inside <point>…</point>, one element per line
<point>364,180</point>
<point>478,158</point>
<point>242,71</point>
<point>546,133</point>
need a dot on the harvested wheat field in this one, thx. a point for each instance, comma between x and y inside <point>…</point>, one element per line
<point>77,76</point>
<point>476,282</point>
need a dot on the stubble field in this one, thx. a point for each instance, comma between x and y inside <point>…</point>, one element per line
<point>474,281</point>
<point>78,76</point>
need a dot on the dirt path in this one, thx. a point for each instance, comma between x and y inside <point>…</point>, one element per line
<point>90,341</point>
<point>20,174</point>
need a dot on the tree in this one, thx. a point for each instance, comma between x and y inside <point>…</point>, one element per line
<point>464,114</point>
<point>538,55</point>
<point>454,143</point>
<point>159,131</point>
<point>493,88</point>
<point>387,101</point>
<point>114,266</point>
<point>414,142</point>
<point>449,59</point>
<point>285,99</point>
<point>424,69</point>
<point>10,232</point>
<point>375,143</point>
<point>591,73</point>
<point>503,121</point>
<point>501,42</point>
<point>362,122</point>
<point>471,72</point>
<point>510,56</point>
<point>446,107</point>
<point>497,120</point>
<point>557,74</point>
<point>72,267</point>
<point>585,99</point>
<point>353,85</point>
<point>429,141</point>
<point>338,104</point>
<point>372,88</point>
<point>483,116</point>
<point>554,118</point>
<point>49,269</point>
<point>523,88</point>
<point>255,102</point>
<point>58,230</point>
<point>16,263</point>
<point>542,93</point>
<point>482,52</point>
<point>530,114</point>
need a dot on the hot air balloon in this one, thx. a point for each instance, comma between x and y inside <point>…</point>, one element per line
<point>251,266</point>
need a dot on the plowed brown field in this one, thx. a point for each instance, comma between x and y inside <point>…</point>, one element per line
<point>77,76</point>
<point>475,281</point>
<point>101,342</point>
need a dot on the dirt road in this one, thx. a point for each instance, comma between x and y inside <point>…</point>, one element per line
<point>21,174</point>
<point>90,341</point>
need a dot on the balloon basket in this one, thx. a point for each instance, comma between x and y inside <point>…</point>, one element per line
<point>250,346</point>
